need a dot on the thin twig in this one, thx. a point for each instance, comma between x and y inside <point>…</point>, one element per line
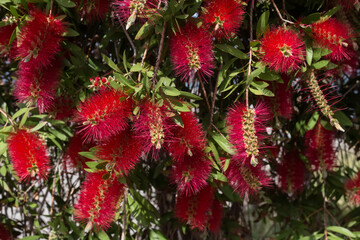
<point>130,41</point>
<point>214,98</point>
<point>143,58</point>
<point>278,12</point>
<point>51,7</point>
<point>115,45</point>
<point>324,204</point>
<point>8,117</point>
<point>53,187</point>
<point>204,91</point>
<point>158,60</point>
<point>123,233</point>
<point>251,52</point>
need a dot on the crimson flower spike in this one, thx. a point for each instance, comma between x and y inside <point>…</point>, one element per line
<point>124,150</point>
<point>93,10</point>
<point>7,50</point>
<point>282,49</point>
<point>153,126</point>
<point>103,114</point>
<point>283,101</point>
<point>193,209</point>
<point>72,157</point>
<point>320,99</point>
<point>98,201</point>
<point>39,40</point>
<point>28,154</point>
<point>352,187</point>
<point>223,18</point>
<point>291,173</point>
<point>319,147</point>
<point>247,130</point>
<point>191,52</point>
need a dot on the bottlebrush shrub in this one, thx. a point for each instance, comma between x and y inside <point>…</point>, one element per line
<point>223,17</point>
<point>186,140</point>
<point>283,101</point>
<point>333,35</point>
<point>319,148</point>
<point>317,94</point>
<point>191,52</point>
<point>247,130</point>
<point>128,11</point>
<point>98,200</point>
<point>28,154</point>
<point>291,172</point>
<point>7,50</point>
<point>245,178</point>
<point>122,149</point>
<point>153,126</point>
<point>191,173</point>
<point>72,157</point>
<point>193,209</point>
<point>103,114</point>
<point>39,40</point>
<point>282,49</point>
<point>352,187</point>
<point>93,10</point>
<point>37,87</point>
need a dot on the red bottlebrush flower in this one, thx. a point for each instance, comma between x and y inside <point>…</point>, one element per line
<point>191,52</point>
<point>283,49</point>
<point>245,178</point>
<point>104,114</point>
<point>352,187</point>
<point>247,128</point>
<point>28,154</point>
<point>39,40</point>
<point>333,35</point>
<point>283,99</point>
<point>38,86</point>
<point>188,139</point>
<point>291,173</point>
<point>319,147</point>
<point>98,201</point>
<point>123,149</point>
<point>224,17</point>
<point>5,35</point>
<point>93,10</point>
<point>191,174</point>
<point>5,234</point>
<point>128,11</point>
<point>62,108</point>
<point>193,209</point>
<point>153,126</point>
<point>75,146</point>
<point>216,215</point>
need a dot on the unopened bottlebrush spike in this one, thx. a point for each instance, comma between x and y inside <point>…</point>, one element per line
<point>28,154</point>
<point>320,99</point>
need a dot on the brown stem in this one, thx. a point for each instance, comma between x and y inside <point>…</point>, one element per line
<point>278,12</point>
<point>158,60</point>
<point>214,99</point>
<point>8,118</point>
<point>143,58</point>
<point>115,45</point>
<point>324,205</point>
<point>251,52</point>
<point>53,187</point>
<point>123,233</point>
<point>204,91</point>
<point>130,41</point>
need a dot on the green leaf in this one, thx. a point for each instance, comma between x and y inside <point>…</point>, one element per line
<point>190,95</point>
<point>66,3</point>
<point>309,55</point>
<point>24,118</point>
<point>259,84</point>
<point>262,91</point>
<point>341,230</point>
<point>91,164</point>
<point>124,80</point>
<point>312,122</point>
<point>3,148</point>
<point>231,50</point>
<point>38,126</point>
<point>136,68</point>
<point>269,75</point>
<point>332,11</point>
<point>71,33</point>
<point>219,176</point>
<point>262,23</point>
<point>88,155</point>
<point>311,18</point>
<point>170,91</point>
<point>144,31</point>
<point>344,120</point>
<point>21,112</point>
<point>110,62</point>
<point>223,143</point>
<point>156,235</point>
<point>321,64</point>
<point>102,235</point>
